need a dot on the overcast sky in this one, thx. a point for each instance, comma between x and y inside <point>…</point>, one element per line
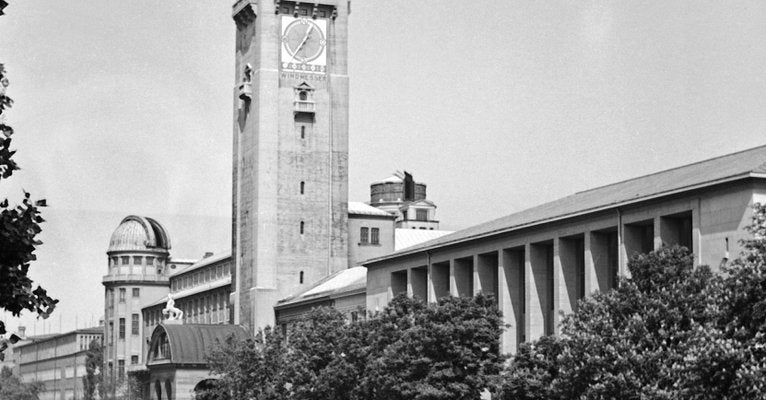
<point>125,107</point>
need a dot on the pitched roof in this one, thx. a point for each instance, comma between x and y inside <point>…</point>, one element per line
<point>358,208</point>
<point>222,256</point>
<point>404,238</point>
<point>345,281</point>
<point>735,166</point>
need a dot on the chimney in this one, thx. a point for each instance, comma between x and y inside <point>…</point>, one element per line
<point>208,254</point>
<point>22,332</point>
<point>409,187</point>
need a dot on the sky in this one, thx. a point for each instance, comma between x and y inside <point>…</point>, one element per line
<point>497,105</point>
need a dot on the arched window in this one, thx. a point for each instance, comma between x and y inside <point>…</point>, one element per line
<point>303,187</point>
<point>302,227</point>
<point>301,278</point>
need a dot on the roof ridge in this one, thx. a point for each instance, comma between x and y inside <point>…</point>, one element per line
<point>673,169</point>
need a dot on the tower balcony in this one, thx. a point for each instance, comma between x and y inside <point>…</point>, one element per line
<point>304,106</point>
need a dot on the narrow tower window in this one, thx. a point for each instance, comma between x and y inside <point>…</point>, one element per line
<point>303,131</point>
<point>303,187</point>
<point>301,278</point>
<point>302,227</point>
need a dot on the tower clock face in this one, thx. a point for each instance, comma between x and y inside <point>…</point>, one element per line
<point>303,44</point>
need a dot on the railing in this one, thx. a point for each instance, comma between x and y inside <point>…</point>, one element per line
<point>304,106</point>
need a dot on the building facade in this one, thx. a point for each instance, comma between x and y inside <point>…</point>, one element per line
<point>401,196</point>
<point>290,172</point>
<point>57,361</point>
<point>139,267</point>
<point>541,261</point>
<point>370,233</point>
<point>201,291</point>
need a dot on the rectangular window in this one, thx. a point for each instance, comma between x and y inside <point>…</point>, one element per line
<point>134,324</point>
<point>149,260</point>
<point>136,260</point>
<point>125,260</point>
<point>122,295</point>
<point>219,271</point>
<point>136,292</point>
<point>134,360</point>
<point>207,275</point>
<point>146,318</point>
<point>122,328</point>
<point>111,332</point>
<point>375,236</point>
<point>421,215</point>
<point>120,367</point>
<point>364,235</point>
<point>110,299</point>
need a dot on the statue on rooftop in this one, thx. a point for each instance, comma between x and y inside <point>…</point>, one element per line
<point>173,312</point>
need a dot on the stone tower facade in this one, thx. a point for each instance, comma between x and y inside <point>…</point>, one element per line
<point>290,163</point>
<point>138,274</point>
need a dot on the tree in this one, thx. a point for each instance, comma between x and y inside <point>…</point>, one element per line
<point>12,388</point>
<point>19,227</point>
<point>249,369</point>
<point>670,331</point>
<point>94,360</point>
<point>448,350</point>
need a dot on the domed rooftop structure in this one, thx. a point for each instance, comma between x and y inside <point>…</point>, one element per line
<point>139,233</point>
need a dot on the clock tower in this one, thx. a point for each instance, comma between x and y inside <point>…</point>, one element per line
<point>290,163</point>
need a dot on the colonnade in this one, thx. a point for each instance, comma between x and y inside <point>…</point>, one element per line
<point>538,277</point>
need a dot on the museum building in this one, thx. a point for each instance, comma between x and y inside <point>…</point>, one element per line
<point>539,262</point>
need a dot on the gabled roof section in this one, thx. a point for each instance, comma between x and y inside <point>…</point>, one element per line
<point>736,166</point>
<point>342,282</point>
<point>358,208</point>
<point>421,202</point>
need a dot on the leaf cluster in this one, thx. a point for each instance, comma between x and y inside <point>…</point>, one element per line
<point>671,331</point>
<point>12,388</point>
<point>448,350</point>
<point>19,227</point>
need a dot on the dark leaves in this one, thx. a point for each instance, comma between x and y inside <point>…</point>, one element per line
<point>671,331</point>
<point>448,350</point>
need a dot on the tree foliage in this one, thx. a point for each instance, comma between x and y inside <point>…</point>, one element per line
<point>671,331</point>
<point>448,350</point>
<point>12,388</point>
<point>94,360</point>
<point>19,227</point>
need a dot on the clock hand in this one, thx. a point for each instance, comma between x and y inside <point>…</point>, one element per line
<point>305,37</point>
